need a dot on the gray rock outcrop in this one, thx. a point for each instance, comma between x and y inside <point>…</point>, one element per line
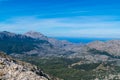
<point>11,69</point>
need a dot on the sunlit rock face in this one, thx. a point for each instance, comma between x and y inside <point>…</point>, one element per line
<point>36,35</point>
<point>11,69</point>
<point>112,46</point>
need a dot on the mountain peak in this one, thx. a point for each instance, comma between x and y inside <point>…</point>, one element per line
<point>36,35</point>
<point>33,32</point>
<point>6,33</point>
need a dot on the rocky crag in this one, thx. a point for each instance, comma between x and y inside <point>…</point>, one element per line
<point>11,69</point>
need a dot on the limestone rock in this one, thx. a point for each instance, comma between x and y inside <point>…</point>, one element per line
<point>11,69</point>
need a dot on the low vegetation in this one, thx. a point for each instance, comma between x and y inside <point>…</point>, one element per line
<point>18,45</point>
<point>58,67</point>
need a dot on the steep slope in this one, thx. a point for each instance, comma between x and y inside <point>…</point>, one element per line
<point>60,48</point>
<point>98,51</point>
<point>36,44</point>
<point>112,46</point>
<point>21,45</point>
<point>56,43</point>
<point>16,43</point>
<point>11,69</point>
<point>36,35</point>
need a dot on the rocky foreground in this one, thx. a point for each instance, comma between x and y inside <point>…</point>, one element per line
<point>11,69</point>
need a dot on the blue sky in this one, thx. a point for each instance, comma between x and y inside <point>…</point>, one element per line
<point>62,18</point>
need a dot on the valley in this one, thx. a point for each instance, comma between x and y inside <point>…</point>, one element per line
<point>62,59</point>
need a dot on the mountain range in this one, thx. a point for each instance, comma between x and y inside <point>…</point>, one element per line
<point>36,44</point>
<point>57,57</point>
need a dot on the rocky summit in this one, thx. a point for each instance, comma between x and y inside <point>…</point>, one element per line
<point>36,35</point>
<point>11,69</point>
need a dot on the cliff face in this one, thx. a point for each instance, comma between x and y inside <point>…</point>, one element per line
<point>11,69</point>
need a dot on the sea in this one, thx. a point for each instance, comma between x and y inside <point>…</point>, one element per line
<point>84,40</point>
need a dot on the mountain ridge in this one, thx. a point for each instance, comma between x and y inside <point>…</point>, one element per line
<point>50,47</point>
<point>58,57</point>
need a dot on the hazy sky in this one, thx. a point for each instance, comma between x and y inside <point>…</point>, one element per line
<point>67,18</point>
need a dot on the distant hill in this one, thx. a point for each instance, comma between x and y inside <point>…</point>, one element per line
<point>36,44</point>
<point>17,43</point>
<point>60,58</point>
<point>24,44</point>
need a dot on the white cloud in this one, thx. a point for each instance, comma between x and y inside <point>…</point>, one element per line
<point>81,26</point>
